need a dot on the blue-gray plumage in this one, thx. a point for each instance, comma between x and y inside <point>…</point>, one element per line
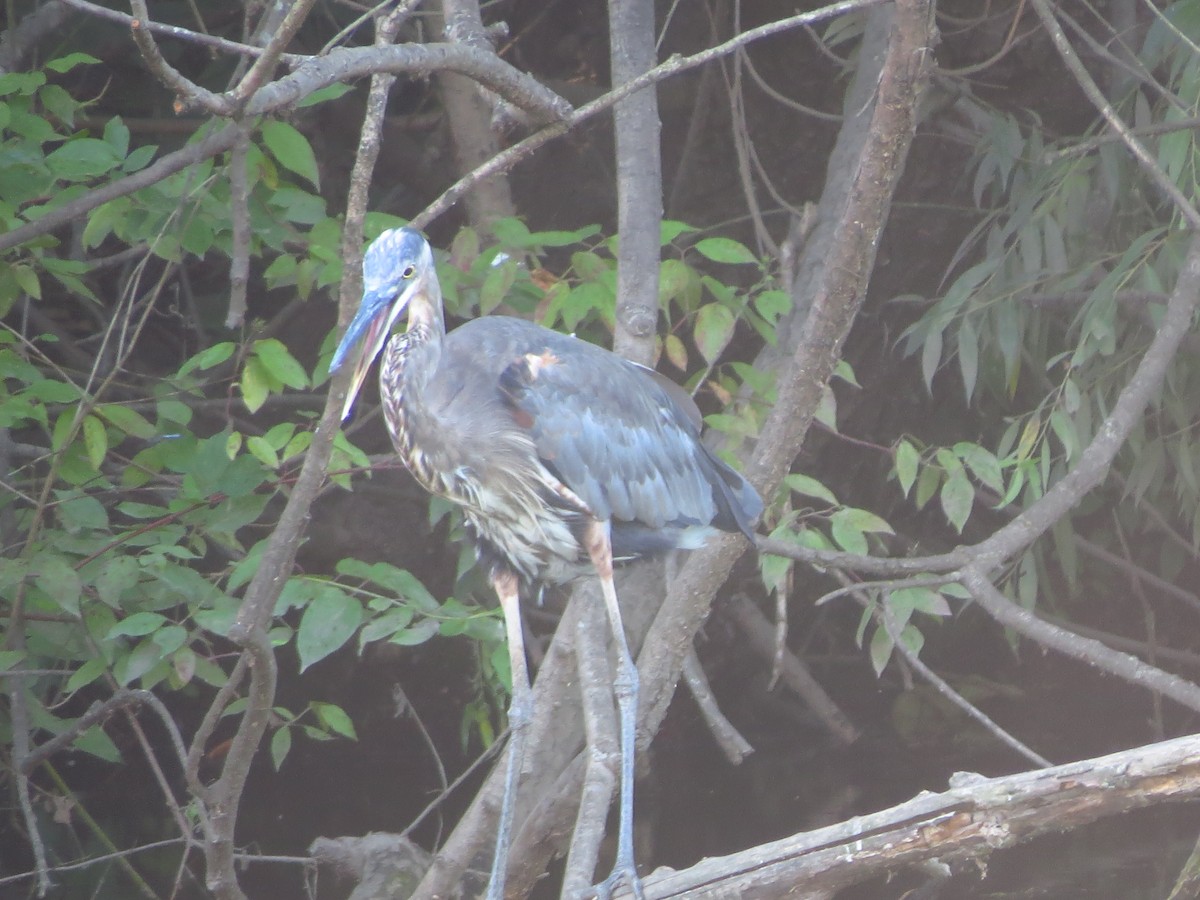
<point>562,455</point>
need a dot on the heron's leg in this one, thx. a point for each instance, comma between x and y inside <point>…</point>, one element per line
<point>625,686</point>
<point>520,713</point>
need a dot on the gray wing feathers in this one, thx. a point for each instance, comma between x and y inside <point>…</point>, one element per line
<point>610,431</point>
<point>614,438</point>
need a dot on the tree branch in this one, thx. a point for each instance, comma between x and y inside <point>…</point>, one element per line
<point>639,180</point>
<point>968,822</point>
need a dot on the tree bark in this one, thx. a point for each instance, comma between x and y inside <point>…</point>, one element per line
<point>639,180</point>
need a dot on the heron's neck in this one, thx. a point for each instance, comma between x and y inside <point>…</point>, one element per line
<point>409,366</point>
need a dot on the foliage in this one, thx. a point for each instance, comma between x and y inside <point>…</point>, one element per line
<point>1050,303</point>
<point>139,507</point>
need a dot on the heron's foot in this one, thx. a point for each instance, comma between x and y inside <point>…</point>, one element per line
<point>622,872</point>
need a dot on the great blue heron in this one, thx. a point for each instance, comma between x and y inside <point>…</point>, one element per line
<point>563,456</point>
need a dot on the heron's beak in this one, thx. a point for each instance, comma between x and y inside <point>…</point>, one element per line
<point>372,324</point>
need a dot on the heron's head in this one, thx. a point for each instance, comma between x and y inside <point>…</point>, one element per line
<point>397,268</point>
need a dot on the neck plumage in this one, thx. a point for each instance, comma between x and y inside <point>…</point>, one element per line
<point>410,361</point>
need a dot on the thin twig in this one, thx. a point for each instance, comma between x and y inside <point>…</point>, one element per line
<point>239,212</point>
<point>888,621</point>
<point>735,747</point>
<point>265,64</point>
<point>187,92</point>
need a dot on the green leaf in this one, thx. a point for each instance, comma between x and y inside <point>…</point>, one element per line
<point>725,250</point>
<point>71,60</point>
<point>387,624</point>
<point>59,104</point>
<point>83,158</point>
<point>48,390</point>
<point>958,496</point>
<point>418,634</point>
<point>138,662</point>
<point>27,280</point>
<point>931,357</point>
<point>880,650</point>
<point>402,583</point>
<point>670,229</point>
<point>927,485</point>
<point>280,363</point>
<point>291,149</point>
<point>968,356</point>
<point>982,463</point>
<point>212,356</point>
<point>673,278</point>
<point>713,330</point>
<point>137,625</point>
<point>116,134</point>
<point>865,520</point>
<point>95,440</point>
<point>281,743</point>
<point>127,420</point>
<point>329,92</point>
<point>846,534</point>
<point>170,638</point>
<point>86,674</point>
<point>675,351</point>
<point>907,462</point>
<point>263,452</point>
<point>98,744</point>
<point>254,384</point>
<point>810,487</point>
<point>335,719</point>
<point>330,620</point>
<point>496,285</point>
<point>59,581</point>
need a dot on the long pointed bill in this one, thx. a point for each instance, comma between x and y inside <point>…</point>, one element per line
<point>371,324</point>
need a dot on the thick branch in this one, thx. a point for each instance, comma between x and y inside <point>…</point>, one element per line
<point>555,769</point>
<point>971,820</point>
<point>470,112</point>
<point>837,298</point>
<point>639,180</point>
<point>254,616</point>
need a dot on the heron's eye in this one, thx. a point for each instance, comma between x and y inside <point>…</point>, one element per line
<point>409,271</point>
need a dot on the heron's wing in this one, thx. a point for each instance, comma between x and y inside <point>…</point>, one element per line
<point>613,436</point>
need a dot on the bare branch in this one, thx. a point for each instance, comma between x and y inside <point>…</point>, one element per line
<point>239,212</point>
<point>249,629</point>
<point>884,614</point>
<point>188,93</point>
<point>265,64</point>
<point>1086,650</point>
<point>471,113</point>
<point>639,180</point>
<point>175,31</point>
<point>757,631</point>
<point>970,821</point>
<point>735,747</point>
<point>600,725</point>
<point>837,300</point>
